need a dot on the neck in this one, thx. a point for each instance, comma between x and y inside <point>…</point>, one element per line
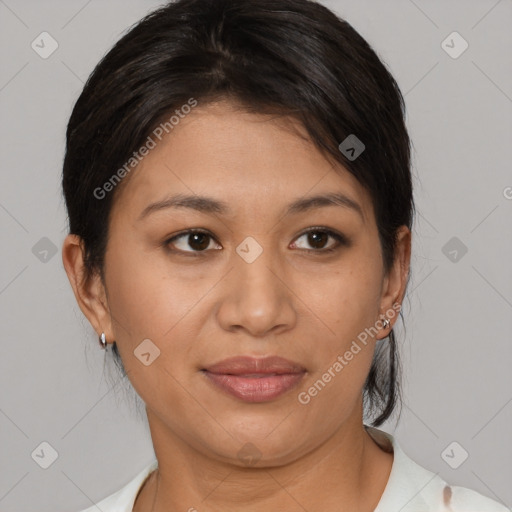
<point>350,469</point>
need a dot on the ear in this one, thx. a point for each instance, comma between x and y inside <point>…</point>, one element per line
<point>395,282</point>
<point>89,291</point>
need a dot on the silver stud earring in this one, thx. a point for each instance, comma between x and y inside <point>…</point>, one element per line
<point>385,323</point>
<point>103,341</point>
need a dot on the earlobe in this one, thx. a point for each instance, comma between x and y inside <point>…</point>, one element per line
<point>88,290</point>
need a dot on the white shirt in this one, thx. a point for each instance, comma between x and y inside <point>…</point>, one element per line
<point>410,488</point>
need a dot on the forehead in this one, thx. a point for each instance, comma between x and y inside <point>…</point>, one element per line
<point>221,151</point>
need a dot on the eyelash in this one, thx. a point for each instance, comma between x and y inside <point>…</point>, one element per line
<point>340,239</point>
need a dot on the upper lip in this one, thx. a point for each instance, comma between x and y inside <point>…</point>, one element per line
<point>242,365</point>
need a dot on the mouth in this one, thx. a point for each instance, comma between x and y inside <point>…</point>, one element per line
<point>255,380</point>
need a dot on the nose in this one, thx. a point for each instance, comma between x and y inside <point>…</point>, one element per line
<point>256,296</point>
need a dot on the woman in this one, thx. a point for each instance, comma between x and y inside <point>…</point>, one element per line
<point>237,178</point>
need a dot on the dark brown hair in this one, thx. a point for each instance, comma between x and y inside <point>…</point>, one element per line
<point>287,57</point>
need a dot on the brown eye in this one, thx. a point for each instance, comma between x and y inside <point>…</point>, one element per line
<point>194,242</point>
<point>319,238</point>
<point>198,241</point>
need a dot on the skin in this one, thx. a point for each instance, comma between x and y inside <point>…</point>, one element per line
<point>305,306</point>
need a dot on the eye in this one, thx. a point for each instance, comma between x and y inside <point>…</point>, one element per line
<point>200,241</point>
<point>196,239</point>
<point>317,237</point>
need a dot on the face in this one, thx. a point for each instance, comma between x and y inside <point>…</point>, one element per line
<point>248,280</point>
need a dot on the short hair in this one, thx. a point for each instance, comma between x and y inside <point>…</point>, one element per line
<point>291,58</point>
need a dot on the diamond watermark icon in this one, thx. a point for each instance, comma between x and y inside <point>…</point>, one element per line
<point>44,250</point>
<point>351,147</point>
<point>45,455</point>
<point>454,249</point>
<point>44,45</point>
<point>454,45</point>
<point>249,249</point>
<point>146,352</point>
<point>454,455</point>
<point>249,454</point>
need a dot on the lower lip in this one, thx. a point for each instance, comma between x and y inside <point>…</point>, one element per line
<point>255,389</point>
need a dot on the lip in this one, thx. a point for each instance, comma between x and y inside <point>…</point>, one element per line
<point>243,365</point>
<point>255,379</point>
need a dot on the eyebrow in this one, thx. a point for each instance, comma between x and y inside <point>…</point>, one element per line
<point>210,205</point>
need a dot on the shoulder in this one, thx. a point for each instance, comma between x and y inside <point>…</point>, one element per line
<point>461,499</point>
<point>123,499</point>
<point>412,487</point>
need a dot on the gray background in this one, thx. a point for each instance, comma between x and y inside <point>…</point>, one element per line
<point>456,345</point>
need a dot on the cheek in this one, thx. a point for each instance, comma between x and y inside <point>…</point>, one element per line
<point>349,306</point>
<point>349,299</point>
<point>145,298</point>
<point>147,303</point>
<point>334,389</point>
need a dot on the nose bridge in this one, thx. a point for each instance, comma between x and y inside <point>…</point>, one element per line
<point>256,267</point>
<point>256,298</point>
